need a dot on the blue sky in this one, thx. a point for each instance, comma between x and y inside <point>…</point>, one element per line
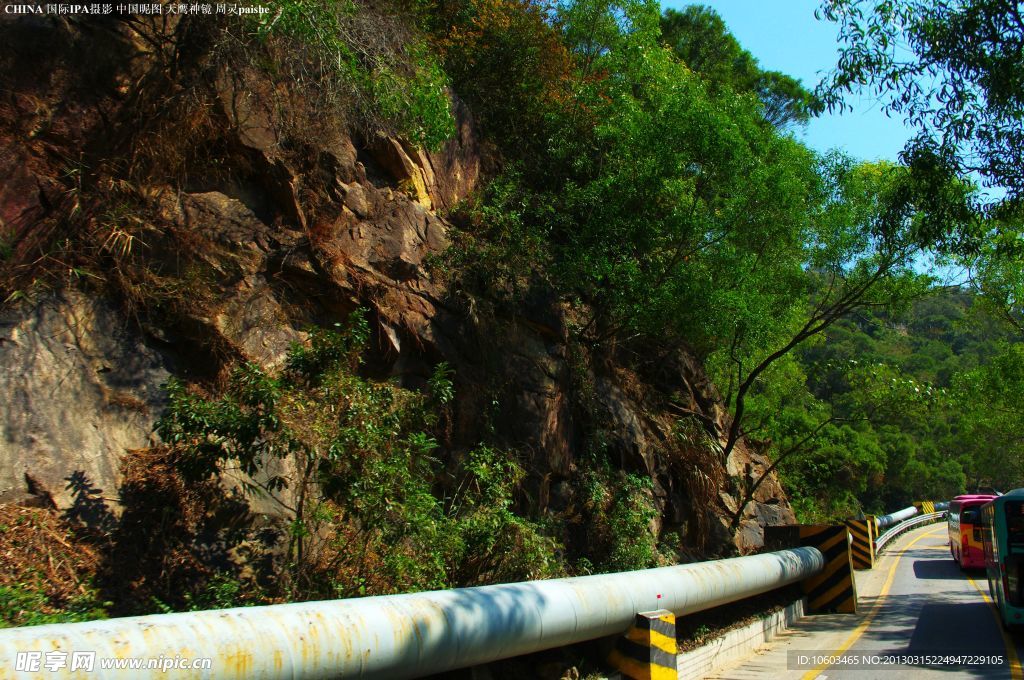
<point>785,36</point>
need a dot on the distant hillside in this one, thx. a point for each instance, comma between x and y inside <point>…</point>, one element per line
<point>891,380</point>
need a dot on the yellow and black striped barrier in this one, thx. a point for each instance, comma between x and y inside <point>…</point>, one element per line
<point>833,590</point>
<point>648,649</point>
<point>862,549</point>
<point>925,507</point>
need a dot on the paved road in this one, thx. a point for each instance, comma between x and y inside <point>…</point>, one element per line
<point>915,602</point>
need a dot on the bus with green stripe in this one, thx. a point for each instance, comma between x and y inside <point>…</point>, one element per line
<point>1002,521</point>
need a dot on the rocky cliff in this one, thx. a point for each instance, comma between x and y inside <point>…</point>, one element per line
<point>239,235</point>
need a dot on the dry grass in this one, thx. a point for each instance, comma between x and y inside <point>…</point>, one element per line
<point>43,552</point>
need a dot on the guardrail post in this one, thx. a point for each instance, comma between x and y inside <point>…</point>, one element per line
<point>648,649</point>
<point>925,507</point>
<point>833,590</point>
<point>862,550</point>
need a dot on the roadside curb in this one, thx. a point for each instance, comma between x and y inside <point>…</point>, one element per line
<point>737,644</point>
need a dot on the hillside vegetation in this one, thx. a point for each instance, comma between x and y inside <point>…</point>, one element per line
<point>451,292</point>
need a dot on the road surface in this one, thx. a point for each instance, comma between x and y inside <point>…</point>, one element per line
<point>919,617</point>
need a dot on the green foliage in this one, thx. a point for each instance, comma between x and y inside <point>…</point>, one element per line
<point>330,349</point>
<point>896,384</point>
<point>364,517</point>
<point>493,542</point>
<point>620,508</point>
<point>504,253</point>
<point>507,61</point>
<point>401,85</point>
<point>224,591</point>
<point>886,395</point>
<point>951,69</point>
<point>990,399</point>
<point>629,520</point>
<point>28,605</point>
<point>656,205</point>
<point>352,443</point>
<point>665,211</point>
<point>699,37</point>
<point>233,428</point>
<point>440,383</point>
<point>870,226</point>
<point>835,471</point>
<point>672,212</point>
<point>997,274</point>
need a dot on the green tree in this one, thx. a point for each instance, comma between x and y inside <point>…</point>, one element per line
<point>862,245</point>
<point>666,212</point>
<point>953,70</point>
<point>990,399</point>
<point>659,205</point>
<point>997,274</point>
<point>508,62</point>
<point>699,37</point>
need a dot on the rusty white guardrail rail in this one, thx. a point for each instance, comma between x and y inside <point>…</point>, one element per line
<point>904,526</point>
<point>402,636</point>
<point>896,517</point>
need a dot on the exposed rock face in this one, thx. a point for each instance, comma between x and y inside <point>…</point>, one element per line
<point>297,237</point>
<point>79,388</point>
<point>245,312</point>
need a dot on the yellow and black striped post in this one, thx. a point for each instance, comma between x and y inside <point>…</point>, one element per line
<point>862,550</point>
<point>833,590</point>
<point>648,649</point>
<point>873,528</point>
<point>925,507</point>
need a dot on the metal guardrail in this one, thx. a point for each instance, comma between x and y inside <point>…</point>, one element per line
<point>409,635</point>
<point>904,526</point>
<point>896,517</point>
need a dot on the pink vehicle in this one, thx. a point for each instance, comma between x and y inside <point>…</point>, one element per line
<point>964,521</point>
